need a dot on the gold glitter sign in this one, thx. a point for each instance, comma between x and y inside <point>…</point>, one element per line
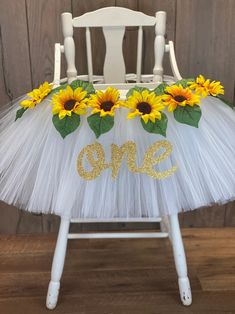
<point>95,155</point>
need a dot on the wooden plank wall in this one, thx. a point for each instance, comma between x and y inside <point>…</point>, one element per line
<point>204,37</point>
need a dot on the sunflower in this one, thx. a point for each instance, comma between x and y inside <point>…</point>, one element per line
<point>144,104</point>
<point>37,95</point>
<point>105,102</point>
<point>205,87</point>
<point>176,95</point>
<point>69,101</point>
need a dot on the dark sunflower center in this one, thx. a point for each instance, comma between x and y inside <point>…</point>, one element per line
<point>144,107</point>
<point>180,98</point>
<point>69,104</point>
<point>107,105</point>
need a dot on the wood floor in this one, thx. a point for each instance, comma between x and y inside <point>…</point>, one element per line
<point>119,276</point>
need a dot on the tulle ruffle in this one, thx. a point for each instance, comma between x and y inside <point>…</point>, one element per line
<point>38,168</point>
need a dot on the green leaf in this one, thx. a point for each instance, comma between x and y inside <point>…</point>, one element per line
<point>57,89</point>
<point>159,90</point>
<point>157,127</point>
<point>87,86</point>
<point>20,112</point>
<point>100,125</point>
<point>66,125</point>
<point>135,88</point>
<point>184,82</point>
<point>227,102</point>
<point>188,115</point>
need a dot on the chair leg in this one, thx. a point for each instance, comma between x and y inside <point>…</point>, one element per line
<point>58,264</point>
<point>180,261</point>
<point>165,226</point>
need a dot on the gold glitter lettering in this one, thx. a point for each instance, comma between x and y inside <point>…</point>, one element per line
<point>117,154</point>
<point>150,160</point>
<point>98,164</point>
<point>96,158</point>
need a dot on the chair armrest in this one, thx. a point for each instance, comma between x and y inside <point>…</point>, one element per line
<point>174,67</point>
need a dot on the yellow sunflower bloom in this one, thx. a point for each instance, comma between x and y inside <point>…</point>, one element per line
<point>37,95</point>
<point>205,87</point>
<point>68,101</point>
<point>144,104</point>
<point>105,102</point>
<point>176,95</point>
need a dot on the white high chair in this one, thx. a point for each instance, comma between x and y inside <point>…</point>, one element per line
<point>113,20</point>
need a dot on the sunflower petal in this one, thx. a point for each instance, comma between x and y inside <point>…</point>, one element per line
<point>145,117</point>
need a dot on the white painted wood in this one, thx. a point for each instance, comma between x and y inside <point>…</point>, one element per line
<point>118,235</point>
<point>92,19</point>
<point>165,226</point>
<point>180,261</point>
<point>125,86</point>
<point>89,54</point>
<point>57,65</point>
<point>159,46</point>
<point>84,77</point>
<point>94,220</point>
<point>139,54</point>
<point>58,264</point>
<point>174,66</point>
<point>147,79</point>
<point>113,20</point>
<point>167,48</point>
<point>69,46</point>
<point>114,65</point>
<point>113,16</point>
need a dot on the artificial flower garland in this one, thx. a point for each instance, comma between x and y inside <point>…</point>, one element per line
<point>35,97</point>
<point>70,101</point>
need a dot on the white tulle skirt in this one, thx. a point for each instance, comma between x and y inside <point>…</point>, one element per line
<point>38,169</point>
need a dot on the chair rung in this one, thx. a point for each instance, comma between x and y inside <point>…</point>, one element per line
<point>117,235</point>
<point>84,220</point>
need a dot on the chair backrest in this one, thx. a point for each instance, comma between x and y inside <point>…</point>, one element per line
<point>113,21</point>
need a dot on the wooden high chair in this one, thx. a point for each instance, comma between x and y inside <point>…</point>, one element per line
<point>113,20</point>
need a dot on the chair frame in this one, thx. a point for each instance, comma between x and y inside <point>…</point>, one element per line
<point>169,226</point>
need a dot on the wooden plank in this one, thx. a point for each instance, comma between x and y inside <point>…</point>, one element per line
<point>29,223</point>
<point>9,218</point>
<point>97,38</point>
<point>5,97</point>
<point>217,277</point>
<point>205,217</point>
<point>150,7</point>
<point>15,59</point>
<point>50,223</point>
<point>113,258</point>
<point>94,282</point>
<point>118,226</point>
<point>26,244</point>
<point>43,30</point>
<point>128,303</point>
<point>38,243</point>
<point>205,40</point>
<point>234,95</point>
<point>141,282</point>
<point>15,49</point>
<point>230,215</point>
<point>44,24</point>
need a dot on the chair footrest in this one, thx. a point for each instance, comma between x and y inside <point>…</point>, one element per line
<point>119,220</point>
<point>117,235</point>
